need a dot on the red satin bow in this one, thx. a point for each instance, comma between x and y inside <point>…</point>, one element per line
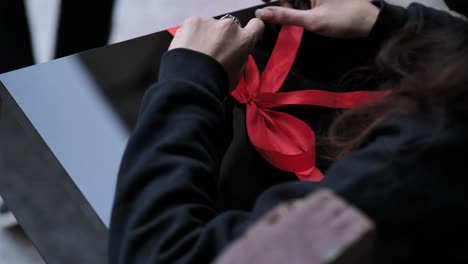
<point>283,140</point>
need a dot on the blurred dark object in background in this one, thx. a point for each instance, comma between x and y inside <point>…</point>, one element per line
<point>459,6</point>
<point>15,43</point>
<point>302,4</point>
<point>83,25</point>
<point>297,4</point>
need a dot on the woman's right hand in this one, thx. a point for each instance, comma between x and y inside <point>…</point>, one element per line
<point>331,18</point>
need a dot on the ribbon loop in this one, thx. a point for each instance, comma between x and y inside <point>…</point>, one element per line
<point>285,141</point>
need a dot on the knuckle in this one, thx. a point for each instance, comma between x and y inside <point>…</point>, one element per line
<point>280,14</point>
<point>191,20</point>
<point>194,21</point>
<point>283,16</point>
<point>206,19</point>
<point>228,23</point>
<point>257,22</point>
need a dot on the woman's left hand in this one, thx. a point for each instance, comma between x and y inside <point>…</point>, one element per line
<point>223,40</point>
<point>331,18</point>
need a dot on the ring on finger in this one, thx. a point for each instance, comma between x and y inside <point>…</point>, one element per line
<point>235,19</point>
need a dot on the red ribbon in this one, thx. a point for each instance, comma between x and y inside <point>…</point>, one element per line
<point>285,141</point>
<point>173,30</point>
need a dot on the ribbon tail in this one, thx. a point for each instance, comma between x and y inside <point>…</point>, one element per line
<point>282,59</point>
<point>312,175</point>
<point>343,100</point>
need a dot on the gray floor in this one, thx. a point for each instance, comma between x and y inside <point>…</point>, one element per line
<point>131,19</point>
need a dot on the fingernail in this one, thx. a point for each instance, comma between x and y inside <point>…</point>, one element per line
<point>258,13</point>
<point>263,13</point>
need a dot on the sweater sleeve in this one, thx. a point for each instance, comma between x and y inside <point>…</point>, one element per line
<point>393,18</point>
<point>166,186</point>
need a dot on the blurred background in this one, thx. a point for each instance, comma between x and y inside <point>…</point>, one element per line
<point>60,28</point>
<point>50,21</point>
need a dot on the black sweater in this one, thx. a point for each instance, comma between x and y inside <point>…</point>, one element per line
<point>167,207</point>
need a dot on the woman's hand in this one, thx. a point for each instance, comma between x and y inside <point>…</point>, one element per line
<point>223,40</point>
<point>331,18</point>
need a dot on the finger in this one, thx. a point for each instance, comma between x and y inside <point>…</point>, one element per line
<point>254,29</point>
<point>281,15</point>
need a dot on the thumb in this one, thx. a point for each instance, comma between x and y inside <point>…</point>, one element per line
<point>288,16</point>
<point>254,30</point>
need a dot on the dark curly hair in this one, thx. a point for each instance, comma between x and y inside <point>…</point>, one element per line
<point>426,70</point>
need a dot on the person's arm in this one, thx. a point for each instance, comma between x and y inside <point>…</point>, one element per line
<point>164,206</point>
